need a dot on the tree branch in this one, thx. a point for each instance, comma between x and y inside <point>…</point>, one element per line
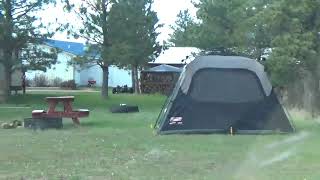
<point>90,4</point>
<point>90,39</point>
<point>26,11</point>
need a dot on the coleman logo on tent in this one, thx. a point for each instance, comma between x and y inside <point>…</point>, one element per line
<point>176,121</point>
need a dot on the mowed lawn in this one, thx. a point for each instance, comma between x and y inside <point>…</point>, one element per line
<point>123,146</point>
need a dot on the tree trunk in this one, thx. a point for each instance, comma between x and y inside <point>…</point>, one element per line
<point>307,95</point>
<point>315,95</point>
<point>133,79</point>
<point>310,94</point>
<point>135,83</point>
<point>105,82</point>
<point>3,85</point>
<point>295,94</point>
<point>24,82</point>
<point>7,83</point>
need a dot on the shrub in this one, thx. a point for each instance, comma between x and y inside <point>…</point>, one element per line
<point>68,84</point>
<point>56,82</point>
<point>41,80</point>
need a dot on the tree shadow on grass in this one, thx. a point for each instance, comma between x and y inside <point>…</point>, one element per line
<point>95,124</point>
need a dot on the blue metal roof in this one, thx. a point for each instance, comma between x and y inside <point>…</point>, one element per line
<point>70,47</point>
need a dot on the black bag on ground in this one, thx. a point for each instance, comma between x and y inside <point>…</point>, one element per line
<point>124,109</point>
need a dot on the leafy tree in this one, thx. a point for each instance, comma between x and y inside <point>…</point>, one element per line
<point>96,30</point>
<point>20,33</point>
<point>134,37</point>
<point>186,30</point>
<point>121,33</point>
<point>220,27</point>
<point>295,27</point>
<point>256,27</point>
<point>221,24</point>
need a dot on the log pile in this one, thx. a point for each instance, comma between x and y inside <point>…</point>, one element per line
<point>158,82</point>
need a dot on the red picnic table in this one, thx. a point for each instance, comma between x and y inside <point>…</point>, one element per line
<point>67,112</point>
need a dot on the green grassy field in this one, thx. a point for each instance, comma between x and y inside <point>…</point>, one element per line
<point>110,146</point>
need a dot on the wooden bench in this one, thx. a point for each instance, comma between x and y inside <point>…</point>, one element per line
<point>16,89</point>
<point>74,114</point>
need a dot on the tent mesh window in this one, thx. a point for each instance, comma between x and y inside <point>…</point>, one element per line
<point>222,86</point>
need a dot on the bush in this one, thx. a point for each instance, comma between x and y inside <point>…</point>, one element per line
<point>56,82</point>
<point>40,81</point>
<point>68,84</point>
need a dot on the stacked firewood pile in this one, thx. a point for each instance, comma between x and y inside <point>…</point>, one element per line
<point>158,82</point>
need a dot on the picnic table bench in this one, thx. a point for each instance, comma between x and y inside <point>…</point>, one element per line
<point>67,112</point>
<point>16,89</point>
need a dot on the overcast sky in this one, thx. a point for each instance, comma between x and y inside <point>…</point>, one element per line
<point>167,11</point>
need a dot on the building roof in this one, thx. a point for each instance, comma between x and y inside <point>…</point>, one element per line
<point>164,68</point>
<point>70,47</point>
<point>173,55</point>
<point>177,55</point>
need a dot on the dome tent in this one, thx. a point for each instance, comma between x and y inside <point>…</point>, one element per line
<point>217,93</point>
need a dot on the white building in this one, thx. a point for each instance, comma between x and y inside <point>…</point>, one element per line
<point>65,71</point>
<point>178,56</point>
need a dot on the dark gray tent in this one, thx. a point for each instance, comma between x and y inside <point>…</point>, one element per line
<point>217,93</point>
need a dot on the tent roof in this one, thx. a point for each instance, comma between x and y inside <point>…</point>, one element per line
<point>164,68</point>
<point>225,62</point>
<point>176,55</point>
